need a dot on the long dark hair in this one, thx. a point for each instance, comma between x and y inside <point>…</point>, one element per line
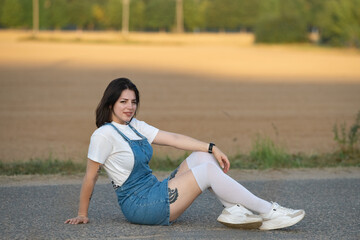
<point>111,95</point>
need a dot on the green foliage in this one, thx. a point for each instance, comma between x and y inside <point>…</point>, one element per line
<point>339,23</point>
<point>281,21</point>
<point>39,166</point>
<point>285,29</point>
<point>1,13</point>
<point>159,15</point>
<point>348,140</point>
<point>53,14</point>
<point>137,15</point>
<point>113,12</point>
<point>249,12</point>
<point>273,21</point>
<point>222,14</point>
<point>166,163</point>
<point>98,17</point>
<point>265,153</point>
<point>79,13</point>
<point>230,15</point>
<point>194,15</point>
<point>312,11</point>
<point>299,160</point>
<point>260,160</point>
<point>14,14</point>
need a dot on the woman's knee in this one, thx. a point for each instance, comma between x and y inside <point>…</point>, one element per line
<point>203,174</point>
<point>202,155</point>
<point>197,158</point>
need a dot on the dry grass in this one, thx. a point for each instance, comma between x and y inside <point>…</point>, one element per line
<point>221,55</point>
<point>211,86</point>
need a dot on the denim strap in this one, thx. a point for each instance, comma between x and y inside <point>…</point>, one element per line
<point>139,134</point>
<point>123,135</point>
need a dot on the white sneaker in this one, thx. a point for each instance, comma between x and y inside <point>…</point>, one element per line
<point>239,217</point>
<point>280,217</point>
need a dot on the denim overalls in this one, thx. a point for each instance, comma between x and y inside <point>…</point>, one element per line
<point>143,198</point>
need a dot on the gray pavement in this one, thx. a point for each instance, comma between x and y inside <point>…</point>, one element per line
<point>38,212</point>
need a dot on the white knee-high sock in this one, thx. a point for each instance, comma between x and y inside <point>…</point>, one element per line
<point>198,158</point>
<point>208,174</point>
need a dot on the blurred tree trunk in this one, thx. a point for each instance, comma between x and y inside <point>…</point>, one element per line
<point>125,17</point>
<point>179,16</point>
<point>35,17</point>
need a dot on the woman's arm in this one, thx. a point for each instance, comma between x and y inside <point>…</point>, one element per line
<point>187,143</point>
<point>92,173</point>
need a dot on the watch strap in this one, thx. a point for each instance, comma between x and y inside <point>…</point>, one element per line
<point>211,145</point>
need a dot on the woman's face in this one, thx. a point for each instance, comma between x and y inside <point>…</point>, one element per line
<point>125,107</point>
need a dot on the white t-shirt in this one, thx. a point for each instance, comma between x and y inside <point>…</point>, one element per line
<point>109,148</point>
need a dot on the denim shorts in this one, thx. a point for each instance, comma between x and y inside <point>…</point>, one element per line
<point>148,204</point>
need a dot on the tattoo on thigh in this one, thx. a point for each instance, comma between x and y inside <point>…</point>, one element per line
<point>173,195</point>
<point>172,175</point>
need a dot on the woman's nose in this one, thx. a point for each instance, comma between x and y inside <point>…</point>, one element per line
<point>130,105</point>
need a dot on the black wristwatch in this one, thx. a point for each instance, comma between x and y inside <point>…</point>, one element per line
<point>211,145</point>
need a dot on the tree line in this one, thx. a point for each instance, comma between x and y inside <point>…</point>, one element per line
<point>273,21</point>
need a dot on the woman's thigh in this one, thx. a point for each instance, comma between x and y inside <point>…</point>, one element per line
<point>183,190</point>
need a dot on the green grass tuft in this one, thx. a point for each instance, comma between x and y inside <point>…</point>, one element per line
<point>348,140</point>
<point>266,154</point>
<point>166,163</point>
<point>39,166</point>
<point>265,158</point>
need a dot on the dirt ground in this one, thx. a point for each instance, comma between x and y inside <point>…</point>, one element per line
<point>214,87</point>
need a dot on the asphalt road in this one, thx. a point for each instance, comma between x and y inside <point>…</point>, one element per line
<point>37,212</point>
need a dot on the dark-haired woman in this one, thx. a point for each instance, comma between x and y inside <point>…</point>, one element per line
<point>121,144</point>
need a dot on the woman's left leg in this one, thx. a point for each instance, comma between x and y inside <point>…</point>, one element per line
<point>247,198</point>
<point>185,186</point>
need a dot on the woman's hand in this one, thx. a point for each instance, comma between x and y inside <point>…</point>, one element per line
<point>77,220</point>
<point>222,159</point>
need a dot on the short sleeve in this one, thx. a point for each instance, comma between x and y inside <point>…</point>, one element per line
<point>147,130</point>
<point>99,149</point>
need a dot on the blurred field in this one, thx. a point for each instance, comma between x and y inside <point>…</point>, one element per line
<point>214,87</point>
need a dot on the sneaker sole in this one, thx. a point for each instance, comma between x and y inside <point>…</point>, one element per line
<point>276,223</point>
<point>251,225</point>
